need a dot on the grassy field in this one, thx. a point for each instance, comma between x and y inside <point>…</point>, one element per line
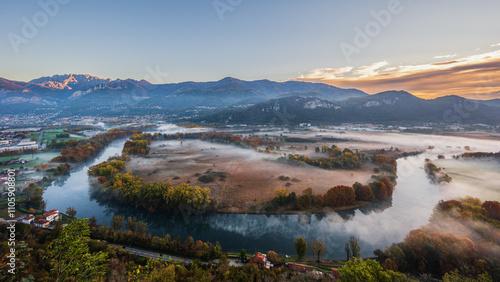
<point>51,133</point>
<point>41,158</point>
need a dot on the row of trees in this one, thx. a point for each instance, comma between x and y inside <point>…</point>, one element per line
<point>345,160</point>
<point>318,248</point>
<point>21,151</point>
<point>480,155</point>
<point>62,135</point>
<point>136,235</point>
<point>83,150</point>
<point>221,137</point>
<point>337,196</point>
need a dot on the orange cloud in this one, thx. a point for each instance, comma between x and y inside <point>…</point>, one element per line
<point>475,77</point>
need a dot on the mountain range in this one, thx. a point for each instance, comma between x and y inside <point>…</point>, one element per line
<point>231,100</point>
<point>384,107</point>
<point>90,94</point>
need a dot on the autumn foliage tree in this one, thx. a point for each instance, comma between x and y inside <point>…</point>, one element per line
<point>340,195</point>
<point>389,264</point>
<point>363,192</point>
<point>272,256</point>
<point>492,208</point>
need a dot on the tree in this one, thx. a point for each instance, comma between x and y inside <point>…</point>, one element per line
<point>71,212</point>
<point>355,248</point>
<point>318,248</point>
<point>347,250</point>
<point>132,223</point>
<point>70,257</point>
<point>364,193</point>
<point>34,195</point>
<point>492,208</point>
<point>272,256</point>
<point>368,270</point>
<point>142,227</point>
<point>307,191</point>
<point>31,210</point>
<point>243,255</point>
<point>93,221</point>
<point>117,222</point>
<point>382,193</point>
<point>389,264</point>
<point>304,202</point>
<point>340,195</point>
<point>388,184</point>
<point>318,201</point>
<point>301,248</point>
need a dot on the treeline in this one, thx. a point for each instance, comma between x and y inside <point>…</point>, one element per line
<point>337,158</point>
<point>471,254</point>
<point>479,155</point>
<point>137,236</point>
<point>62,135</point>
<point>21,151</point>
<point>344,161</point>
<point>337,196</point>
<point>83,150</point>
<point>152,196</point>
<point>221,137</point>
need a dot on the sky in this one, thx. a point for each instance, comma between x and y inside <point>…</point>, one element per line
<point>429,48</point>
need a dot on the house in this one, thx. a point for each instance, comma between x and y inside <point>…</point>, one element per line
<point>51,215</point>
<point>43,223</point>
<point>28,219</point>
<point>300,267</point>
<point>259,259</point>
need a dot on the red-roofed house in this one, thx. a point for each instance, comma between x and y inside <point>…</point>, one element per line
<point>42,223</point>
<point>51,215</point>
<point>300,267</point>
<point>258,259</point>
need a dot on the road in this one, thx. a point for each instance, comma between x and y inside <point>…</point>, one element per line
<point>151,254</point>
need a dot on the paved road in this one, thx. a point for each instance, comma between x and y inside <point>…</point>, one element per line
<point>151,254</point>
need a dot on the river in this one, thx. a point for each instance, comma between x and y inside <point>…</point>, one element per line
<point>375,226</point>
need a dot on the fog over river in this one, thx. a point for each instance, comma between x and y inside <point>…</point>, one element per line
<point>374,226</point>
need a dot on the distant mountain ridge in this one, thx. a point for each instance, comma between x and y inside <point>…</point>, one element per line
<point>389,106</point>
<point>231,100</point>
<point>84,93</point>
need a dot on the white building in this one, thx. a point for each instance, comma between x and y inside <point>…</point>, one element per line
<point>28,219</point>
<point>51,215</point>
